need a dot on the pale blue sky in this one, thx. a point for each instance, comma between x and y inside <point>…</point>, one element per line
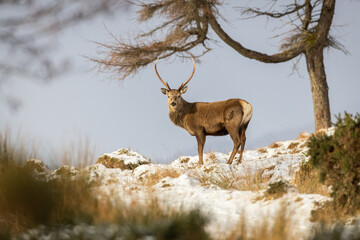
<point>134,113</point>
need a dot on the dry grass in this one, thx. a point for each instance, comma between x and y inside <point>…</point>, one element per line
<point>275,145</point>
<point>161,173</point>
<point>28,200</point>
<point>212,157</point>
<point>293,145</point>
<point>303,136</point>
<point>218,177</point>
<point>262,150</point>
<point>11,153</point>
<point>307,180</point>
<point>252,180</point>
<point>224,179</point>
<point>328,215</point>
<point>79,153</point>
<point>230,179</point>
<point>279,227</point>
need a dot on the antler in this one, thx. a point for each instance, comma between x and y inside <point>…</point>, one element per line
<point>192,74</point>
<point>166,84</point>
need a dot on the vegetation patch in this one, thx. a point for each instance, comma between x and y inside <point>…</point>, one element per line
<point>224,180</point>
<point>262,150</point>
<point>275,145</point>
<point>34,208</point>
<point>211,156</point>
<point>303,136</point>
<point>112,162</point>
<point>336,231</point>
<point>293,145</point>
<point>184,160</point>
<point>337,158</point>
<point>276,190</point>
<point>307,180</point>
<point>266,174</point>
<point>27,201</point>
<point>279,227</point>
<point>230,179</point>
<point>154,178</point>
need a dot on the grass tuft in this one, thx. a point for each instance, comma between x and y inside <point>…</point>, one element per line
<point>307,180</point>
<point>230,179</point>
<point>269,228</point>
<point>161,173</point>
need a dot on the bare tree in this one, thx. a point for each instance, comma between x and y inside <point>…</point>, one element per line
<point>187,30</point>
<point>27,28</point>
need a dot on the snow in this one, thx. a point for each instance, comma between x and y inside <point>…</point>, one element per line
<point>128,156</point>
<point>185,185</point>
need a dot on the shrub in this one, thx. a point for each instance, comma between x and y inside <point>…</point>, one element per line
<point>276,189</point>
<point>338,159</point>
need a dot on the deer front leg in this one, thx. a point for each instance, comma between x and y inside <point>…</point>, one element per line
<point>200,137</point>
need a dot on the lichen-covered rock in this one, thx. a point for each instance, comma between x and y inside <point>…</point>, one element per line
<point>124,158</point>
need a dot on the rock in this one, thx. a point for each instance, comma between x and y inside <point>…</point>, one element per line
<point>36,165</point>
<point>66,171</point>
<point>124,158</point>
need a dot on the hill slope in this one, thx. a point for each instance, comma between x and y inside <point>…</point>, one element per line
<point>227,194</point>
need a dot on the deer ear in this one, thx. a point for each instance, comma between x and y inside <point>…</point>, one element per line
<point>183,90</point>
<point>164,91</point>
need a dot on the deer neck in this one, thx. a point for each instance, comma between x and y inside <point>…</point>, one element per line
<point>177,115</point>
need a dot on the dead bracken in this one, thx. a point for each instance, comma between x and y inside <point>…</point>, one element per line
<point>293,145</point>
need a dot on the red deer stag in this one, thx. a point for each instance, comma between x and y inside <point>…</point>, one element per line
<point>214,118</point>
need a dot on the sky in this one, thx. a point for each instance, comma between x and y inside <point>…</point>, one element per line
<point>112,114</point>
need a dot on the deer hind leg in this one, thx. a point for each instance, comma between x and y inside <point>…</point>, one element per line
<point>235,136</point>
<point>200,137</point>
<point>242,140</point>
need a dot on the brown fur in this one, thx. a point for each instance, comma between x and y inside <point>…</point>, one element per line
<point>215,118</point>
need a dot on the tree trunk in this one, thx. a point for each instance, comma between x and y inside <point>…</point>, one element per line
<point>319,88</point>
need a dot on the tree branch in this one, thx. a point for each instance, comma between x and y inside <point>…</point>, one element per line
<point>324,24</point>
<point>284,56</point>
<point>292,8</point>
<point>186,29</point>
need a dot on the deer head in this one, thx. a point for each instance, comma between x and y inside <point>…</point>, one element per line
<point>174,95</point>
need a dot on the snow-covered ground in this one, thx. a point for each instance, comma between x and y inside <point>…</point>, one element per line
<point>225,193</point>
